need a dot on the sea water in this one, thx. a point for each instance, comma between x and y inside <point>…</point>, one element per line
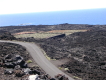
<point>86,16</point>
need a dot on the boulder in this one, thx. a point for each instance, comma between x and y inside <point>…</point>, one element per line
<point>52,79</point>
<point>19,73</point>
<point>27,71</point>
<point>34,77</point>
<point>17,67</point>
<point>36,72</point>
<point>45,77</point>
<point>17,57</point>
<point>61,77</point>
<point>9,65</point>
<point>9,56</point>
<point>8,71</point>
<point>24,65</point>
<point>1,62</point>
<point>103,67</point>
<point>20,62</point>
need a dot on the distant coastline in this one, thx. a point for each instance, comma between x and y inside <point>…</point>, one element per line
<point>89,16</point>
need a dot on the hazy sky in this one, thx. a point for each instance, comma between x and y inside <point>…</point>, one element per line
<point>27,6</point>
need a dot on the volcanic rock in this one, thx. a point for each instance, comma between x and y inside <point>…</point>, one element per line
<point>8,71</point>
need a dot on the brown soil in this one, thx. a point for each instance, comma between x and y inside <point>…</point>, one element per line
<point>24,33</point>
<point>59,62</point>
<point>62,31</point>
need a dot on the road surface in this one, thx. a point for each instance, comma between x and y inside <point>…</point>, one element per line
<point>40,59</point>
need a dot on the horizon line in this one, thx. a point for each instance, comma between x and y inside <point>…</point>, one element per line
<point>50,11</point>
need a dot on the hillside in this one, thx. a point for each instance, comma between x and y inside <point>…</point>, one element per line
<point>65,26</point>
<point>14,62</point>
<point>84,52</point>
<point>5,35</point>
<point>17,64</point>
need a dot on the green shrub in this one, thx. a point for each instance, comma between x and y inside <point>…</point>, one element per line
<point>29,61</point>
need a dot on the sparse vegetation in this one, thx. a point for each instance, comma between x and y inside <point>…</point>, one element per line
<point>29,61</point>
<point>66,69</point>
<point>75,77</point>
<point>36,35</point>
<point>85,49</point>
<point>47,34</point>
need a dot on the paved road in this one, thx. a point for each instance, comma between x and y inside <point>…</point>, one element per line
<point>40,59</point>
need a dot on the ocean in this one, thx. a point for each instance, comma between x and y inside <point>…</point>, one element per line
<point>86,16</point>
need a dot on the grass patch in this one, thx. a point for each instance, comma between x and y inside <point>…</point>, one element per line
<point>48,34</point>
<point>36,35</point>
<point>60,68</point>
<point>75,77</point>
<point>29,61</point>
<point>45,54</point>
<point>66,69</point>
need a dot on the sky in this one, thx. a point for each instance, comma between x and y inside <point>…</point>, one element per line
<point>29,6</point>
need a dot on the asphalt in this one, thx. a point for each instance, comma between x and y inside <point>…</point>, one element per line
<point>40,59</point>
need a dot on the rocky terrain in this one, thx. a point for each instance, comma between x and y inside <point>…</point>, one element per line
<point>5,35</point>
<point>65,26</point>
<point>16,63</point>
<point>85,51</point>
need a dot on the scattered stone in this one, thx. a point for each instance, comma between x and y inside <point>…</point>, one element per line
<point>61,77</point>
<point>24,65</point>
<point>5,35</point>
<point>103,67</point>
<point>36,72</point>
<point>52,79</point>
<point>8,56</point>
<point>9,65</point>
<point>19,73</point>
<point>20,62</point>
<point>17,67</point>
<point>27,71</point>
<point>17,57</point>
<point>8,71</point>
<point>34,77</point>
<point>1,62</point>
<point>13,64</point>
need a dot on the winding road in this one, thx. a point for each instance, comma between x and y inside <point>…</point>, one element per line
<point>40,59</point>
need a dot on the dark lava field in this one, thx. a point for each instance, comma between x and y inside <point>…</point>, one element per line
<point>85,51</point>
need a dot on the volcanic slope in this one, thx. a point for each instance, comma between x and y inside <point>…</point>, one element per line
<point>86,52</point>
